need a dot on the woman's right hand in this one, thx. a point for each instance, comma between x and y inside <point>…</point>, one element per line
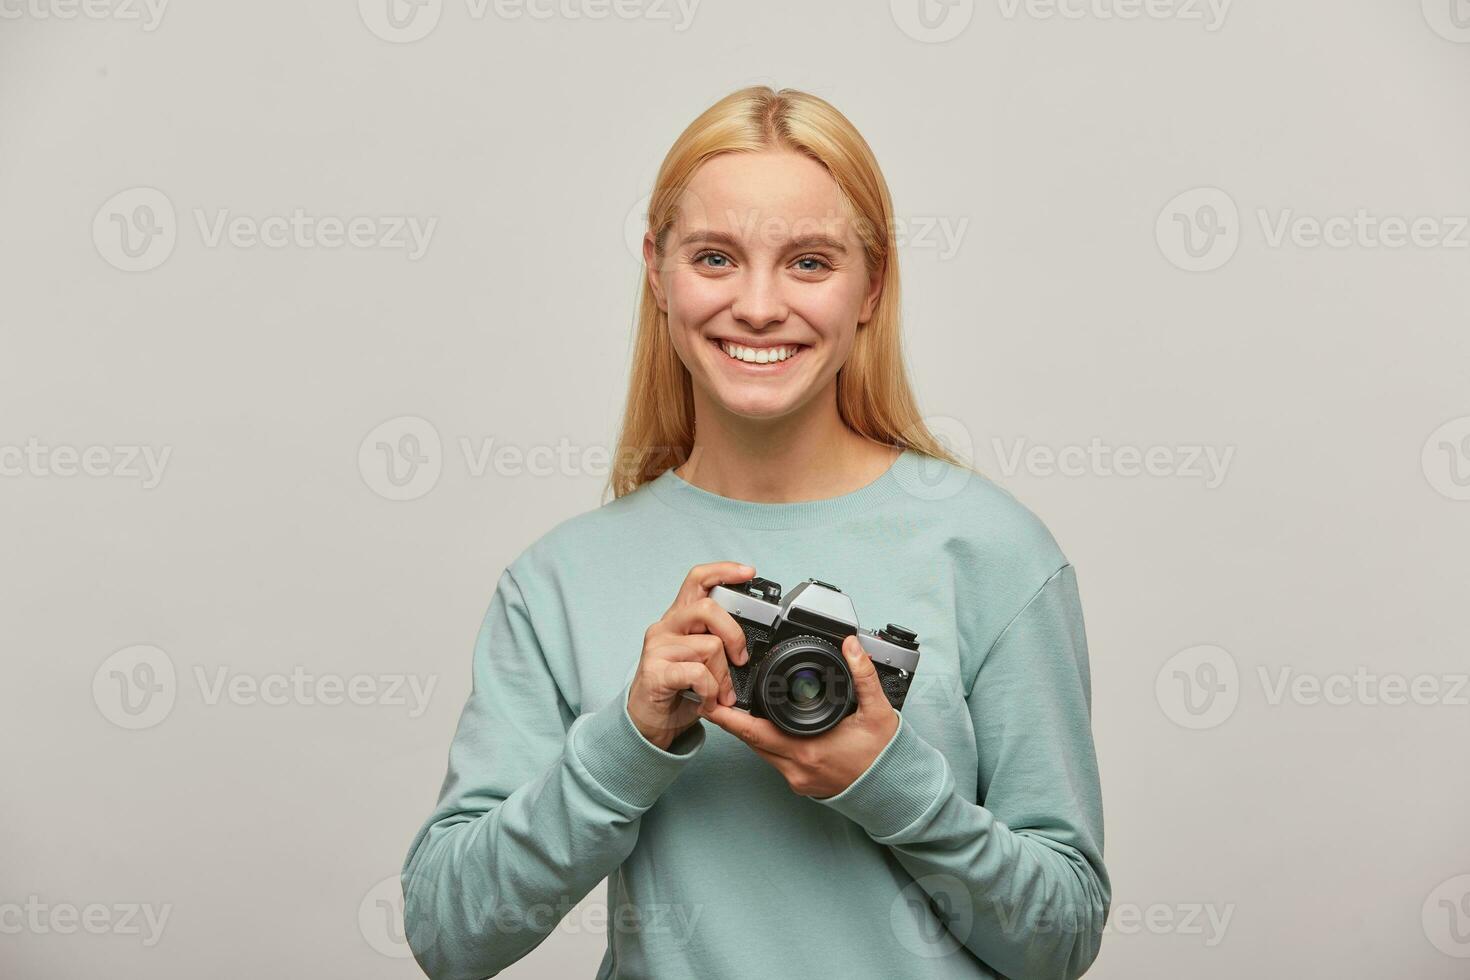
<point>687,648</point>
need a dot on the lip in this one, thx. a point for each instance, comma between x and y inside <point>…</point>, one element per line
<point>771,367</point>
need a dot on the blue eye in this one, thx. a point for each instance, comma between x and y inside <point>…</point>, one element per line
<point>709,255</point>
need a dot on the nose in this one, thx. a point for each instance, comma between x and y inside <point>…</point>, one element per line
<point>758,302</point>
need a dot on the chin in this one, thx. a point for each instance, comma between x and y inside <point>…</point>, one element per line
<point>761,406</point>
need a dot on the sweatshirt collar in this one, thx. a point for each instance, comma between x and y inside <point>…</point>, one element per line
<point>675,491</point>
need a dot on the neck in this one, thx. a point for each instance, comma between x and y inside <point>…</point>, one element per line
<point>809,454</point>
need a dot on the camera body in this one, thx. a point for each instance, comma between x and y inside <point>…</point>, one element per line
<point>797,676</point>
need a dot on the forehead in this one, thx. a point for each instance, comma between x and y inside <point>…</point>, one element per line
<point>768,196</point>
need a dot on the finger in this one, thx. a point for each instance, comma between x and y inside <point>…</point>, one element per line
<point>707,649</point>
<point>758,733</point>
<point>702,578</point>
<point>678,675</point>
<point>708,616</point>
<point>870,696</point>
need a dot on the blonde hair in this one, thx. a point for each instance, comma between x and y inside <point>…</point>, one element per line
<point>873,394</point>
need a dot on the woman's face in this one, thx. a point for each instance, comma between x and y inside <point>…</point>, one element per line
<point>763,282</point>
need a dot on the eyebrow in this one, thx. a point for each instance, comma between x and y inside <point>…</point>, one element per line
<point>705,236</point>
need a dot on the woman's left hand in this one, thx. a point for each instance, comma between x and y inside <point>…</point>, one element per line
<point>822,765</point>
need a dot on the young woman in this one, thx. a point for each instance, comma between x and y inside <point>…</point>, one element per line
<point>960,836</point>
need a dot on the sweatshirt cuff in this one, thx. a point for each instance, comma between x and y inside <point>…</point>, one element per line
<point>907,779</point>
<point>624,763</point>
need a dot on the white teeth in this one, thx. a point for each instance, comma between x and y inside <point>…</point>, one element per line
<point>758,355</point>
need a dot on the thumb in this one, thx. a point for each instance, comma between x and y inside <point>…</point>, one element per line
<point>870,696</point>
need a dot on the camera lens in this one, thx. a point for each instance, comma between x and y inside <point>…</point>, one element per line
<point>803,685</point>
<point>806,687</point>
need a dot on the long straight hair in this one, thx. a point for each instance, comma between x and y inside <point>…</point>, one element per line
<point>874,398</point>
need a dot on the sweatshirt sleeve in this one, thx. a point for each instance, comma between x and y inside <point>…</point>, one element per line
<point>537,806</point>
<point>1017,876</point>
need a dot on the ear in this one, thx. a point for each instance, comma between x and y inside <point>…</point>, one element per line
<point>650,266</point>
<point>875,288</point>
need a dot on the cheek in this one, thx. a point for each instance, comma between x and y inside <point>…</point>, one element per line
<point>693,299</point>
<point>830,308</point>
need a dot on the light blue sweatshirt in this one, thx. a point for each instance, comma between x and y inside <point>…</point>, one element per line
<point>971,847</point>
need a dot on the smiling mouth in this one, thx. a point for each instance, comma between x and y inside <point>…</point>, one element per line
<point>775,356</point>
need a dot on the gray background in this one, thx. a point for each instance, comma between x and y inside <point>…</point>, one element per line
<point>1064,313</point>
